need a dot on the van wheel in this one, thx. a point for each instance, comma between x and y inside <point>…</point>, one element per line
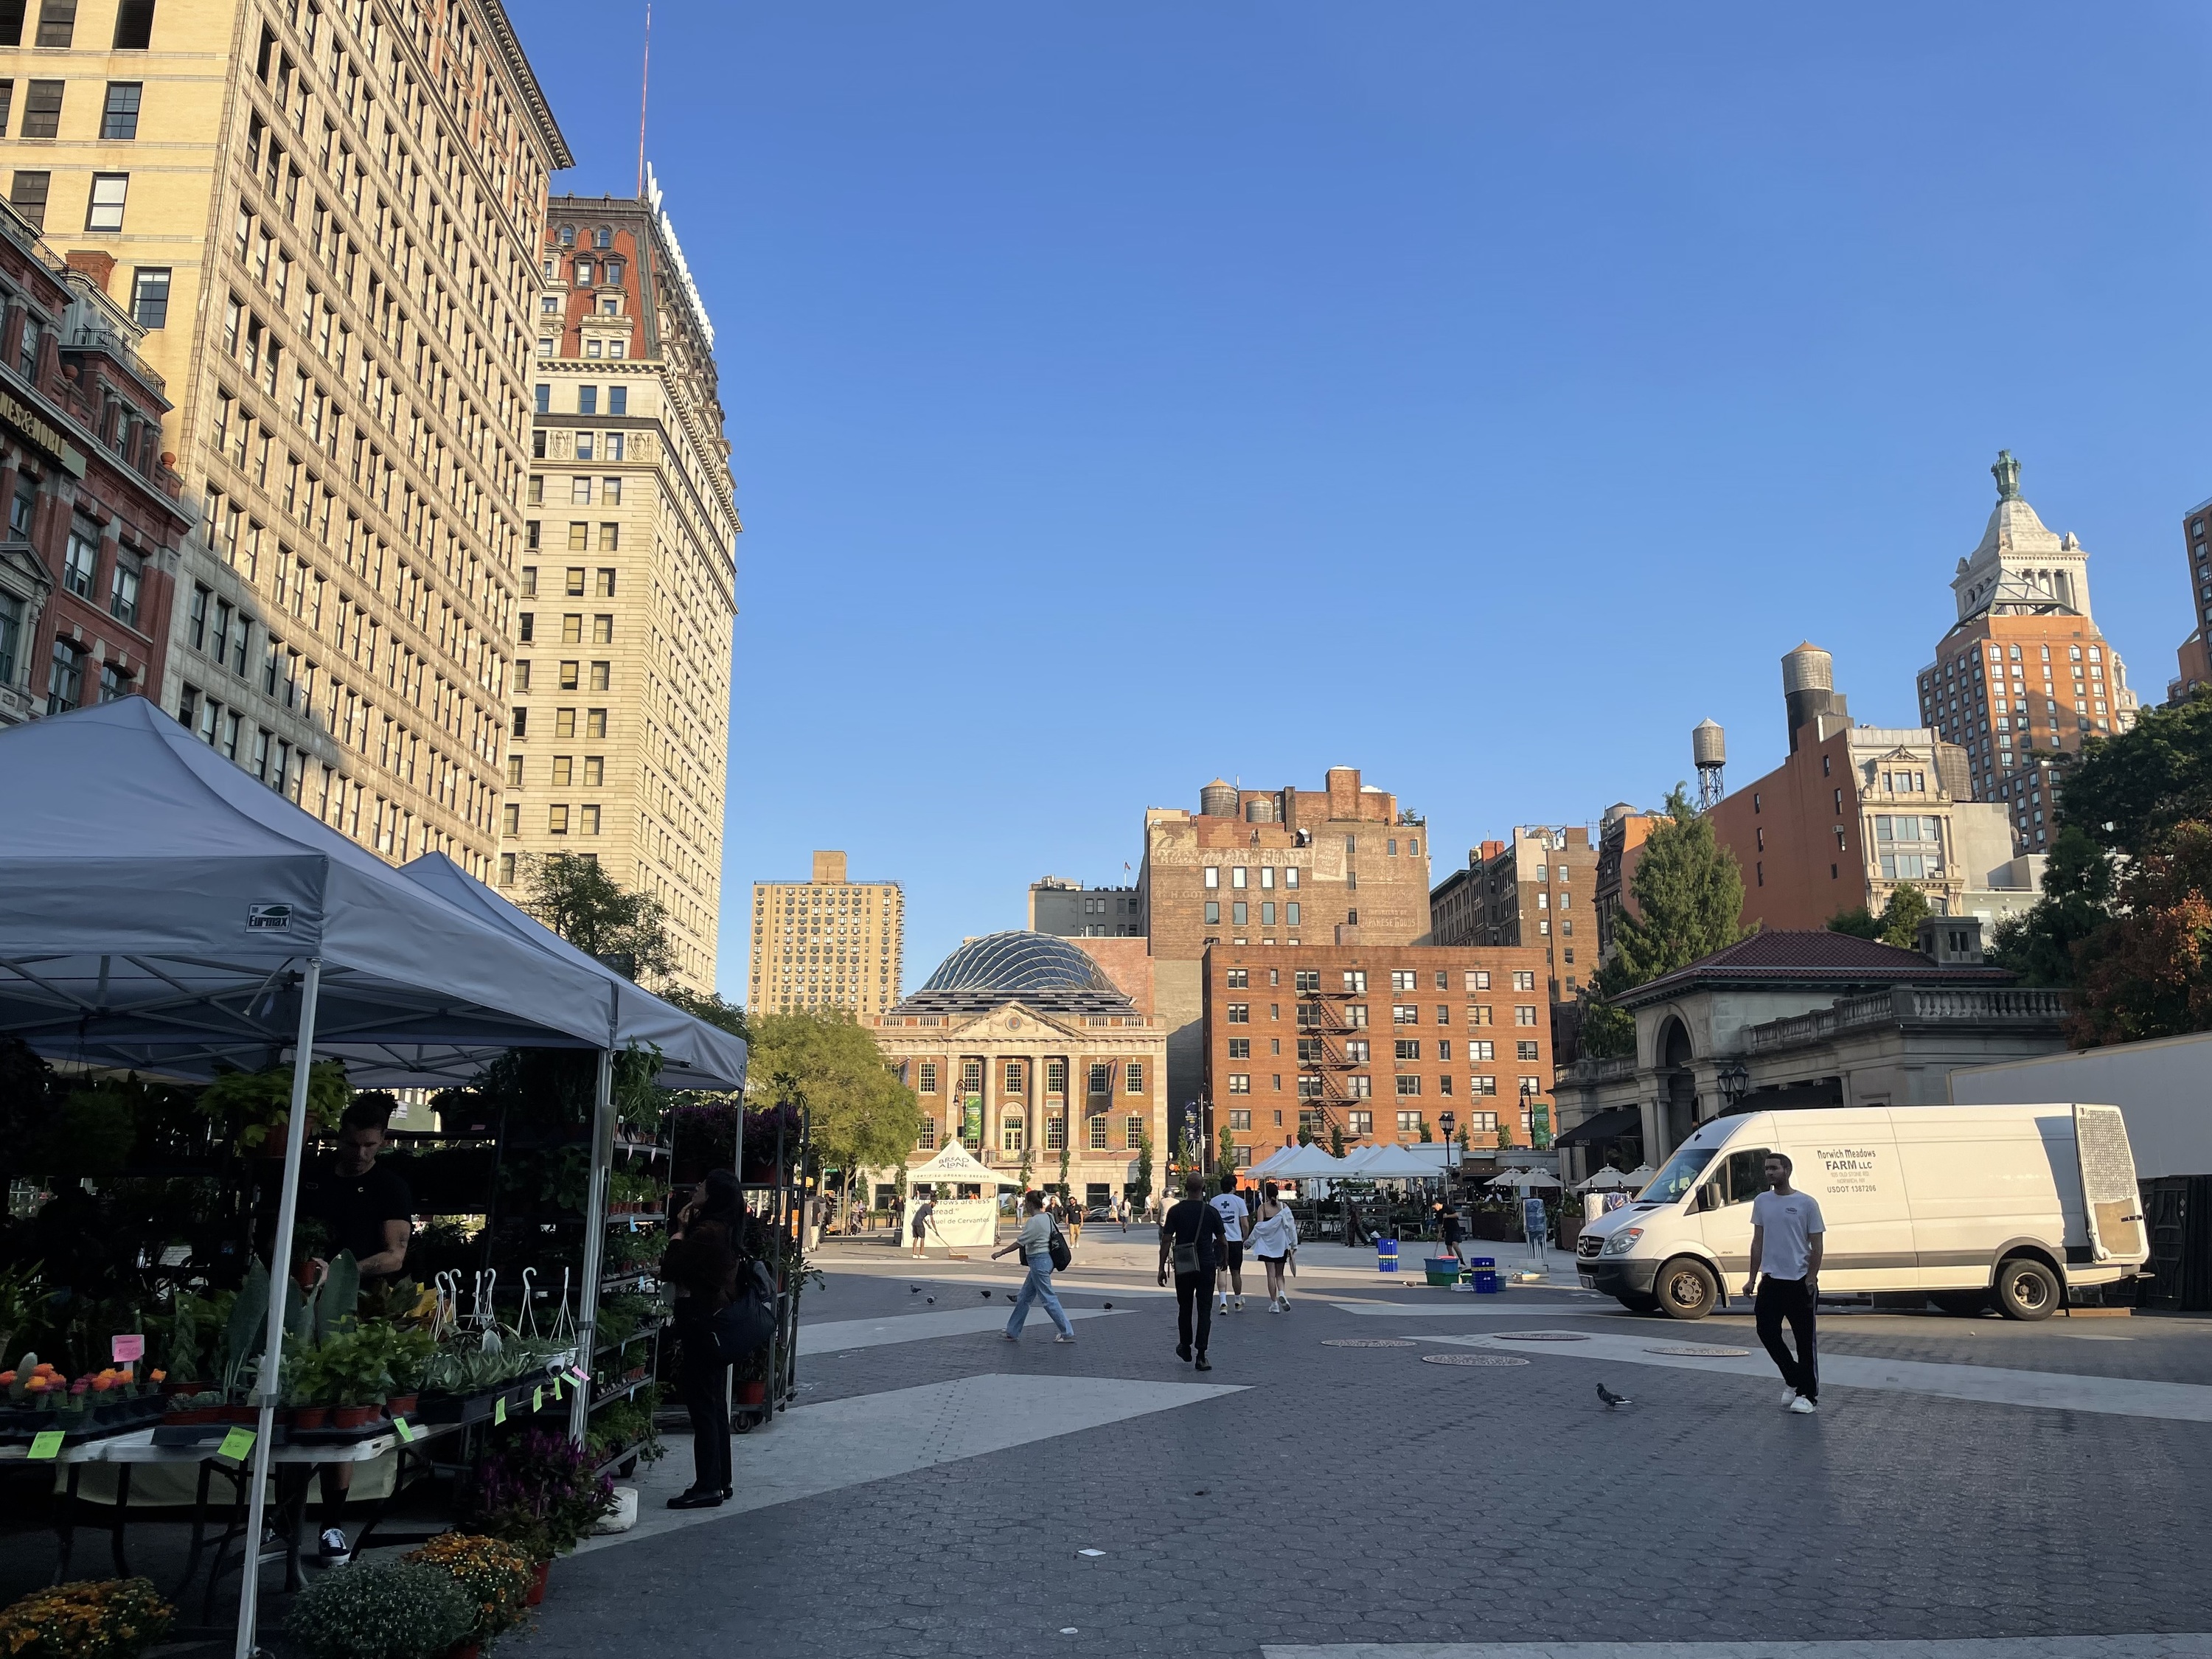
<point>1963,1304</point>
<point>1638,1303</point>
<point>1686,1288</point>
<point>2026,1289</point>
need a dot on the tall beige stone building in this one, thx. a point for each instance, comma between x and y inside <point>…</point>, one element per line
<point>326,218</point>
<point>619,741</point>
<point>827,943</point>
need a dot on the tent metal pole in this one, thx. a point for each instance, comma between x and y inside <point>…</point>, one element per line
<point>269,1379</point>
<point>595,1238</point>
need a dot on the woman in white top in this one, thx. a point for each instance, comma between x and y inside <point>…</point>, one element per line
<point>1274,1240</point>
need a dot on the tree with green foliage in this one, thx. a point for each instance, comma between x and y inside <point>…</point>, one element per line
<point>1899,924</point>
<point>1689,895</point>
<point>1141,1191</point>
<point>863,1116</point>
<point>2078,892</point>
<point>2126,791</point>
<point>1336,1140</point>
<point>580,901</point>
<point>2147,973</point>
<point>1228,1159</point>
<point>708,1006</point>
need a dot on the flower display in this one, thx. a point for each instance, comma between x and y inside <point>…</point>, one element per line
<point>90,1619</point>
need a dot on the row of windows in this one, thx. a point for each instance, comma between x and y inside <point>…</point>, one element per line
<point>567,674</point>
<point>572,628</point>
<point>1011,1131</point>
<point>1100,1077</point>
<point>1401,1013</point>
<point>1360,1086</point>
<point>580,492</point>
<point>564,723</point>
<point>134,24</point>
<point>29,192</point>
<point>42,108</point>
<point>1307,980</point>
<point>587,401</point>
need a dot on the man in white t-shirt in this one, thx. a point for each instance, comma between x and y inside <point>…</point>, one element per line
<point>1235,1223</point>
<point>1787,1234</point>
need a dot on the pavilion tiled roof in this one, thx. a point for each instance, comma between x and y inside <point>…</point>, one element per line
<point>1814,957</point>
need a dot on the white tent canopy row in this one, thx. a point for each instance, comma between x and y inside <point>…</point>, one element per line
<point>1383,1161</point>
<point>167,913</point>
<point>1522,1180</point>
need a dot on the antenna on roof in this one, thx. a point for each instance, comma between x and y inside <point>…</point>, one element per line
<point>644,83</point>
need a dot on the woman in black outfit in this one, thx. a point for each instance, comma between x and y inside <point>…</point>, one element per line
<point>701,1265</point>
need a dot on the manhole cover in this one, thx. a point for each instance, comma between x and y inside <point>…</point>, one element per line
<point>1471,1359</point>
<point>1367,1342</point>
<point>1540,1336</point>
<point>1705,1353</point>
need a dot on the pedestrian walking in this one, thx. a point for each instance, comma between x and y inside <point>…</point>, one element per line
<point>1121,1210</point>
<point>1074,1221</point>
<point>922,1212</point>
<point>1274,1240</point>
<point>700,1265</point>
<point>1033,1246</point>
<point>898,1218</point>
<point>1191,1239</point>
<point>1235,1222</point>
<point>1787,1235</point>
<point>1354,1234</point>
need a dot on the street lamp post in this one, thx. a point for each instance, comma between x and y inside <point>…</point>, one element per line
<point>1736,1083</point>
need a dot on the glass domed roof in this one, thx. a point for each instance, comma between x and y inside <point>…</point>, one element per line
<point>1041,969</point>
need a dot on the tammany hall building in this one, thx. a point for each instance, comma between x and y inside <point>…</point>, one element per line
<point>1021,1047</point>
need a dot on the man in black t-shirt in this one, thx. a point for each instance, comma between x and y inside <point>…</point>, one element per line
<point>366,1210</point>
<point>1192,1232</point>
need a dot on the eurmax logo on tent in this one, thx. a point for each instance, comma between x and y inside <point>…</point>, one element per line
<point>268,918</point>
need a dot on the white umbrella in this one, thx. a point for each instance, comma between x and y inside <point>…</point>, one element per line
<point>1505,1178</point>
<point>1606,1180</point>
<point>1641,1176</point>
<point>1535,1178</point>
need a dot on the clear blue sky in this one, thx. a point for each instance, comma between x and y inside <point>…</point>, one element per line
<point>1477,395</point>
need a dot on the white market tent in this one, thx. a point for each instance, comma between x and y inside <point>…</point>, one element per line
<point>1300,1164</point>
<point>955,1221</point>
<point>167,913</point>
<point>1390,1162</point>
<point>1606,1181</point>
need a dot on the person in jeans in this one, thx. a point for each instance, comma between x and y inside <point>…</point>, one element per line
<point>700,1265</point>
<point>1786,1237</point>
<point>1191,1238</point>
<point>1035,1243</point>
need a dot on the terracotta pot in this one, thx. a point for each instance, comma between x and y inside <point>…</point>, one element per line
<point>354,1417</point>
<point>310,1417</point>
<point>248,1415</point>
<point>752,1394</point>
<point>403,1405</point>
<point>188,1416</point>
<point>538,1584</point>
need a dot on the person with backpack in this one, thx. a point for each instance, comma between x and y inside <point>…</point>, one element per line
<point>1042,1248</point>
<point>1191,1238</point>
<point>700,1267</point>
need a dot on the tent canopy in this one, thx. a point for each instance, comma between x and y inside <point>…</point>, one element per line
<point>162,904</point>
<point>957,1163</point>
<point>693,1054</point>
<point>1300,1164</point>
<point>1610,1124</point>
<point>1390,1162</point>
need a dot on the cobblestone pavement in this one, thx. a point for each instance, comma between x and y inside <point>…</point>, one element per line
<point>1360,1495</point>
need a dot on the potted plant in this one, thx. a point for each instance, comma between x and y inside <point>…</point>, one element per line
<point>496,1577</point>
<point>751,1376</point>
<point>354,1376</point>
<point>540,1493</point>
<point>407,1363</point>
<point>380,1610</point>
<point>90,1619</point>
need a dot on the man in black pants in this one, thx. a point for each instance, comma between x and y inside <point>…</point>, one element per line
<point>1787,1235</point>
<point>1191,1238</point>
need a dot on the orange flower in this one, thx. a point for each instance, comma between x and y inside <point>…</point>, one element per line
<point>6,1377</point>
<point>157,1375</point>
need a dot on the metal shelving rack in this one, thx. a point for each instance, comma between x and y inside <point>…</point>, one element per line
<point>623,1459</point>
<point>781,1206</point>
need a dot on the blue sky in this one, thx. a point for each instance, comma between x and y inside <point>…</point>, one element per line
<point>1477,395</point>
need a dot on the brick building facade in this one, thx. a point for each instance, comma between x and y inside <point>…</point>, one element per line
<point>1531,890</point>
<point>1272,866</point>
<point>87,566</point>
<point>1380,1043</point>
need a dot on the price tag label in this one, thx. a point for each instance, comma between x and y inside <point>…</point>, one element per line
<point>557,1392</point>
<point>237,1445</point>
<point>580,1373</point>
<point>127,1349</point>
<point>46,1443</point>
<point>537,1400</point>
<point>403,1429</point>
<point>499,1409</point>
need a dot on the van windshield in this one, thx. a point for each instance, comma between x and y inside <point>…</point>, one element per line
<point>1680,1175</point>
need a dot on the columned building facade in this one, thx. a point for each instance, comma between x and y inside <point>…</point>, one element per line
<point>1022,1049</point>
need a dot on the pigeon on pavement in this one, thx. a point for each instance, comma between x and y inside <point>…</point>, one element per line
<point>1612,1399</point>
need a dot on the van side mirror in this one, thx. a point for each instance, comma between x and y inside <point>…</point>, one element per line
<point>1709,1197</point>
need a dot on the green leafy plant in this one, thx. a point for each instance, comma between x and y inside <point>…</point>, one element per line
<point>381,1610</point>
<point>354,1367</point>
<point>90,1619</point>
<point>260,1102</point>
<point>23,1295</point>
<point>246,1332</point>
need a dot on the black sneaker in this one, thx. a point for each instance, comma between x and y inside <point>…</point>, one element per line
<point>1202,1366</point>
<point>1182,1353</point>
<point>332,1548</point>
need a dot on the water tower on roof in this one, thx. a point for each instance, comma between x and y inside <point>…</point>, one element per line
<point>1709,751</point>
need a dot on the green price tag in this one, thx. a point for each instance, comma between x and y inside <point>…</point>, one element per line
<point>499,1409</point>
<point>537,1400</point>
<point>405,1430</point>
<point>47,1443</point>
<point>236,1445</point>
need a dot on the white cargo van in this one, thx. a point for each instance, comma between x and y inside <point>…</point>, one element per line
<point>1964,1204</point>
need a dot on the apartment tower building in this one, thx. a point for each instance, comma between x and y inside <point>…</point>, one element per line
<point>325,219</point>
<point>2024,675</point>
<point>827,943</point>
<point>1066,907</point>
<point>1379,1045</point>
<point>1523,891</point>
<point>618,741</point>
<point>1337,864</point>
<point>2194,660</point>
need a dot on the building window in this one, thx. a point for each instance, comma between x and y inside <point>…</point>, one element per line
<point>1095,1133</point>
<point>65,679</point>
<point>119,119</point>
<point>1360,1123</point>
<point>11,641</point>
<point>1240,1013</point>
<point>1405,1013</point>
<point>1010,1133</point>
<point>1240,1083</point>
<point>1482,1085</point>
<point>1410,1048</point>
<point>123,589</point>
<point>1524,1014</point>
<point>1525,1051</point>
<point>28,196</point>
<point>928,1085</point>
<point>1239,978</point>
<point>79,558</point>
<point>1133,1078</point>
<point>42,110</point>
<point>104,211</point>
<point>1409,1083</point>
<point>1133,1131</point>
<point>134,25</point>
<point>1362,1086</point>
<point>618,400</point>
<point>149,296</point>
